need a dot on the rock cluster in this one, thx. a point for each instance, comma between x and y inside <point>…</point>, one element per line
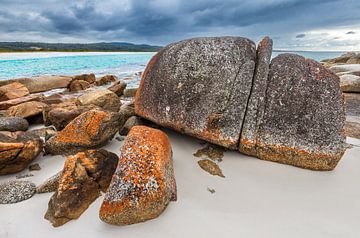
<point>143,183</point>
<point>289,110</point>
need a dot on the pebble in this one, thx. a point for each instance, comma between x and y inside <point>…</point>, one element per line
<point>16,191</point>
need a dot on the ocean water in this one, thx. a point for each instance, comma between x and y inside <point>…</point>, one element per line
<point>15,65</point>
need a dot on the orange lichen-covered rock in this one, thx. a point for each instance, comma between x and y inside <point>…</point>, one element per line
<point>144,183</point>
<point>89,130</point>
<point>82,178</point>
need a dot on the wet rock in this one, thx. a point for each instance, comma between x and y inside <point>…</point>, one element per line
<point>130,123</point>
<point>256,103</point>
<point>49,185</point>
<point>303,119</point>
<point>213,152</point>
<point>78,85</point>
<point>13,91</point>
<point>144,183</point>
<point>106,79</point>
<point>13,102</point>
<point>103,98</point>
<point>89,130</point>
<point>210,167</point>
<point>13,124</point>
<point>352,129</point>
<point>118,88</point>
<point>130,92</point>
<point>83,177</point>
<point>90,78</point>
<point>17,153</point>
<point>199,87</point>
<point>42,83</point>
<point>34,167</point>
<point>16,191</point>
<point>26,110</point>
<point>350,83</point>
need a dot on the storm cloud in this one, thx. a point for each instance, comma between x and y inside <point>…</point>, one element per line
<point>325,23</point>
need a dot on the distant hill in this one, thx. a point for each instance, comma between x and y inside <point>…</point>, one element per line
<point>102,46</point>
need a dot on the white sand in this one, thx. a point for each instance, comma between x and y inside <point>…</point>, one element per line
<point>256,199</point>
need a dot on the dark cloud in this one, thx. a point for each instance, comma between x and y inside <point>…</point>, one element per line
<point>350,32</point>
<point>300,35</point>
<point>164,21</point>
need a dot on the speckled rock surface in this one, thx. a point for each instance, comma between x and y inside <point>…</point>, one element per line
<point>103,98</point>
<point>255,107</point>
<point>13,124</point>
<point>89,130</point>
<point>18,151</point>
<point>82,178</point>
<point>303,115</point>
<point>16,191</point>
<point>144,182</point>
<point>50,184</point>
<point>199,87</point>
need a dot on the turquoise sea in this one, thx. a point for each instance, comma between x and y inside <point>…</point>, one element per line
<point>15,65</point>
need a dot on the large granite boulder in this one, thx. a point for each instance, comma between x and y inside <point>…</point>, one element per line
<point>103,98</point>
<point>13,124</point>
<point>143,184</point>
<point>17,151</point>
<point>303,115</point>
<point>83,177</point>
<point>199,87</point>
<point>12,91</point>
<point>256,103</point>
<point>42,83</point>
<point>26,109</point>
<point>89,130</point>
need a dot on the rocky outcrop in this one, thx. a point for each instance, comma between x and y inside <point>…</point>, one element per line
<point>303,115</point>
<point>41,84</point>
<point>350,83</point>
<point>13,124</point>
<point>89,130</point>
<point>83,177</point>
<point>90,78</point>
<point>106,79</point>
<point>103,98</point>
<point>199,87</point>
<point>18,151</point>
<point>13,91</point>
<point>143,184</point>
<point>16,191</point>
<point>78,85</point>
<point>26,110</point>
<point>118,88</point>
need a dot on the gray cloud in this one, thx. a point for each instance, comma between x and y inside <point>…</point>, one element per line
<point>164,21</point>
<point>350,32</point>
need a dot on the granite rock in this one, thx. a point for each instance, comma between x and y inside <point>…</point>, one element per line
<point>13,124</point>
<point>26,109</point>
<point>16,191</point>
<point>50,184</point>
<point>118,88</point>
<point>90,78</point>
<point>78,85</point>
<point>350,83</point>
<point>130,123</point>
<point>143,183</point>
<point>103,98</point>
<point>13,91</point>
<point>106,79</point>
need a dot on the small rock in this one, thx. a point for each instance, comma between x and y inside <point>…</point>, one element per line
<point>13,91</point>
<point>103,98</point>
<point>130,123</point>
<point>26,110</point>
<point>33,167</point>
<point>24,176</point>
<point>212,191</point>
<point>49,185</point>
<point>84,176</point>
<point>213,152</point>
<point>352,129</point>
<point>210,167</point>
<point>118,88</point>
<point>16,191</point>
<point>144,183</point>
<point>130,92</point>
<point>90,78</point>
<point>106,79</point>
<point>89,130</point>
<point>78,85</point>
<point>13,124</point>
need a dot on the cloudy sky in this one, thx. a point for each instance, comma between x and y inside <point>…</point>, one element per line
<point>293,24</point>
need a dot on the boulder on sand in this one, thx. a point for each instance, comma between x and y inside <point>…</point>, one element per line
<point>83,177</point>
<point>17,152</point>
<point>303,116</point>
<point>12,91</point>
<point>144,183</point>
<point>103,98</point>
<point>89,130</point>
<point>199,87</point>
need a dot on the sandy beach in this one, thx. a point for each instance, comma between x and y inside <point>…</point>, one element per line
<point>255,199</point>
